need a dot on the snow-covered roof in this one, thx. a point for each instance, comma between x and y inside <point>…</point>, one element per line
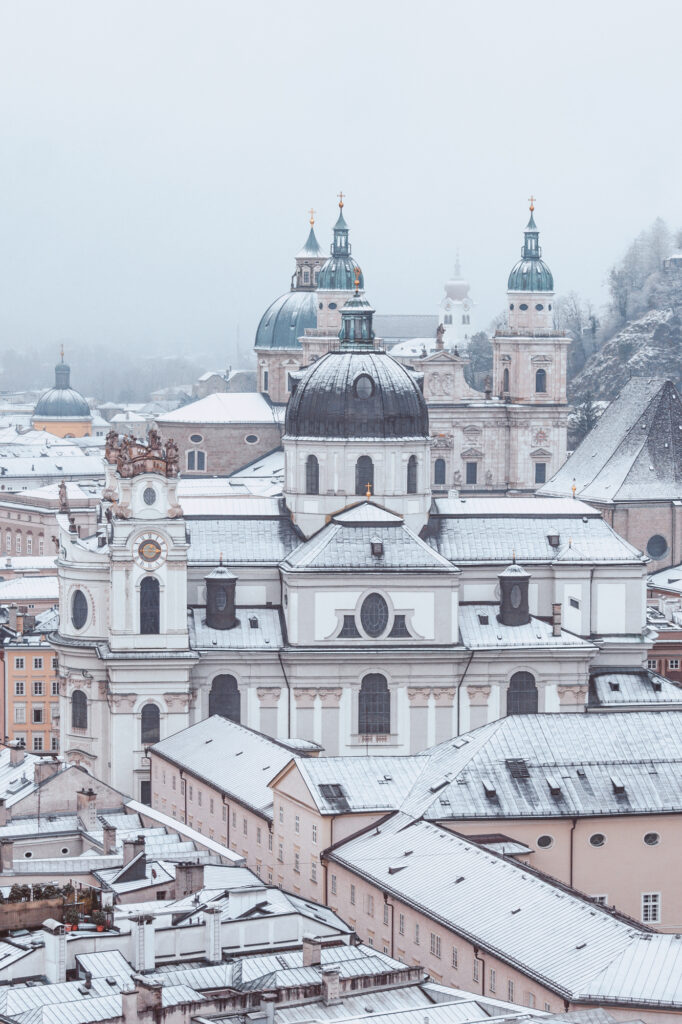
<point>667,579</point>
<point>481,630</point>
<point>29,588</point>
<point>241,541</point>
<point>256,629</point>
<point>224,407</point>
<point>345,785</point>
<point>614,688</point>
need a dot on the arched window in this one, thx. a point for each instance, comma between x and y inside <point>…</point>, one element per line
<point>29,544</point>
<point>8,542</point>
<point>201,462</point>
<point>541,381</point>
<point>150,725</point>
<point>41,545</point>
<point>306,275</point>
<point>522,694</point>
<point>505,380</point>
<point>412,474</point>
<point>17,543</point>
<point>79,710</point>
<point>312,475</point>
<point>191,461</point>
<point>149,605</point>
<point>374,708</point>
<point>224,698</point>
<point>364,474</point>
<point>439,471</point>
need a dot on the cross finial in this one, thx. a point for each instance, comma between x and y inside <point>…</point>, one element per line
<point>341,200</point>
<point>61,351</point>
<point>532,202</point>
<point>368,493</point>
<point>357,279</point>
<point>312,216</point>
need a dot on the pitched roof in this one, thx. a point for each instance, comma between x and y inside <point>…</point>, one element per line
<point>480,629</point>
<point>634,453</point>
<point>224,407</point>
<point>359,784</point>
<point>620,688</point>
<point>241,541</point>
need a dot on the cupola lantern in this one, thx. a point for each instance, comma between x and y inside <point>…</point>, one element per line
<point>220,599</point>
<point>514,609</point>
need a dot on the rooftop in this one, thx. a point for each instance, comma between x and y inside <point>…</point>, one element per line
<point>480,629</point>
<point>224,407</point>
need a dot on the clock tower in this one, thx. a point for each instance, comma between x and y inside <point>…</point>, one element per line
<point>123,643</point>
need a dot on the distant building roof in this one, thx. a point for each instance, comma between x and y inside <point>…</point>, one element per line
<point>614,688</point>
<point>29,588</point>
<point>396,327</point>
<point>241,541</point>
<point>224,407</point>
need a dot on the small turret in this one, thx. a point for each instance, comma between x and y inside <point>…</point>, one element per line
<point>220,599</point>
<point>514,609</point>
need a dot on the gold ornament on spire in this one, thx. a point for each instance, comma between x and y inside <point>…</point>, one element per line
<point>357,278</point>
<point>312,216</point>
<point>341,200</point>
<point>369,490</point>
<point>61,351</point>
<point>532,202</point>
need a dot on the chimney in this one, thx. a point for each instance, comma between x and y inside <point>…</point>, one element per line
<point>129,1007</point>
<point>6,855</point>
<point>556,620</point>
<point>330,986</point>
<point>4,812</point>
<point>312,951</point>
<point>220,598</point>
<point>514,582</point>
<point>267,1005</point>
<point>54,938</point>
<point>45,769</point>
<point>189,878</point>
<point>108,838</point>
<point>150,995</point>
<point>142,934</point>
<point>86,808</point>
<point>131,848</point>
<point>12,616</point>
<point>214,949</point>
<point>16,752</point>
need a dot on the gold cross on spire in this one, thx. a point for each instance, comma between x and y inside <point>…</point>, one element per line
<point>532,202</point>
<point>312,216</point>
<point>369,490</point>
<point>61,351</point>
<point>341,200</point>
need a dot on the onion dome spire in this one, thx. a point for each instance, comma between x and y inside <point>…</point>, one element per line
<point>340,269</point>
<point>530,274</point>
<point>312,248</point>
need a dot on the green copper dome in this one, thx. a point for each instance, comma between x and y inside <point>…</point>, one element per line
<point>531,274</point>
<point>340,270</point>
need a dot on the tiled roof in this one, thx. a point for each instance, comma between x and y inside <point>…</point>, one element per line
<point>241,541</point>
<point>480,630</point>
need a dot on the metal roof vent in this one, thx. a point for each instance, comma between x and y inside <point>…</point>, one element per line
<point>615,687</point>
<point>657,687</point>
<point>489,788</point>
<point>376,547</point>
<point>618,784</point>
<point>554,786</point>
<point>253,621</point>
<point>517,767</point>
<point>483,619</point>
<point>553,540</point>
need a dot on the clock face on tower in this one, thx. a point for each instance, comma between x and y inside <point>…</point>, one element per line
<point>151,551</point>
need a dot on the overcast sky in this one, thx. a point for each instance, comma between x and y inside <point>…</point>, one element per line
<point>158,157</point>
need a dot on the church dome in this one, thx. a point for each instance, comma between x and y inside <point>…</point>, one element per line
<point>286,319</point>
<point>531,274</point>
<point>62,402</point>
<point>364,394</point>
<point>340,271</point>
<point>457,289</point>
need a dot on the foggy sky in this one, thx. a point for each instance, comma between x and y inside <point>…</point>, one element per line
<point>157,159</point>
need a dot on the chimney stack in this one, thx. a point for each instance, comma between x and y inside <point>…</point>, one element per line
<point>86,808</point>
<point>142,933</point>
<point>330,986</point>
<point>312,951</point>
<point>556,620</point>
<point>45,769</point>
<point>16,752</point>
<point>189,878</point>
<point>6,855</point>
<point>54,937</point>
<point>212,924</point>
<point>109,838</point>
<point>267,1005</point>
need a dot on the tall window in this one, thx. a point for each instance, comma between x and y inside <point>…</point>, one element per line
<point>266,380</point>
<point>149,605</point>
<point>651,907</point>
<point>540,472</point>
<point>412,474</point>
<point>364,474</point>
<point>541,381</point>
<point>79,710</point>
<point>439,472</point>
<point>505,380</point>
<point>150,724</point>
<point>312,475</point>
<point>224,698</point>
<point>471,472</point>
<point>522,694</point>
<point>374,706</point>
<point>196,461</point>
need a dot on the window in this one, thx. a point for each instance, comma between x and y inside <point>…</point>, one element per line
<point>55,687</point>
<point>201,462</point>
<point>253,438</point>
<point>540,472</point>
<point>652,838</point>
<point>370,906</point>
<point>386,913</point>
<point>199,797</point>
<point>412,474</point>
<point>548,1007</point>
<point>8,543</point>
<point>416,934</point>
<point>38,741</point>
<point>259,836</point>
<point>454,959</point>
<point>79,710</point>
<point>297,863</point>
<point>364,386</point>
<point>602,899</point>
<point>493,979</point>
<point>597,839</point>
<point>374,615</point>
<point>38,714</point>
<point>651,907</point>
<point>657,546</point>
<point>297,825</point>
<point>401,924</point>
<point>20,713</point>
<point>54,743</point>
<point>531,999</point>
<point>352,895</point>
<point>447,319</point>
<point>191,792</point>
<point>19,688</point>
<point>38,688</point>
<point>17,544</point>
<point>280,853</point>
<point>651,663</point>
<point>312,475</point>
<point>510,991</point>
<point>545,842</point>
<point>234,819</point>
<point>314,832</point>
<point>149,606</point>
<point>374,707</point>
<point>505,380</point>
<point>673,662</point>
<point>266,377</point>
<point>270,841</point>
<point>313,871</point>
<point>29,545</point>
<point>150,724</point>
<point>364,475</point>
<point>306,275</point>
<point>281,814</point>
<point>41,546</point>
<point>333,885</point>
<point>477,968</point>
<point>211,804</point>
<point>435,945</point>
<point>196,438</point>
<point>349,629</point>
<point>540,382</point>
<point>471,472</point>
<point>224,698</point>
<point>439,472</point>
<point>19,663</point>
<point>79,609</point>
<point>522,694</point>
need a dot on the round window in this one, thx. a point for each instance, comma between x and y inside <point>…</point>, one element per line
<point>332,305</point>
<point>28,855</point>
<point>657,546</point>
<point>65,850</point>
<point>374,615</point>
<point>79,609</point>
<point>515,596</point>
<point>251,438</point>
<point>597,839</point>
<point>524,305</point>
<point>539,306</point>
<point>196,438</point>
<point>544,842</point>
<point>652,839</point>
<point>364,386</point>
<point>221,599</point>
<point>149,495</point>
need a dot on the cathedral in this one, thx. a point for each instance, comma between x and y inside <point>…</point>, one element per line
<point>358,608</point>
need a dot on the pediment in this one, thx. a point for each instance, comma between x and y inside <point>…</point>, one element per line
<point>540,453</point>
<point>472,453</point>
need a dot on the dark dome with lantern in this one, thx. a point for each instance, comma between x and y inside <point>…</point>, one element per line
<point>62,402</point>
<point>364,393</point>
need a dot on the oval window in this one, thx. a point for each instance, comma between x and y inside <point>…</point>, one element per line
<point>321,305</point>
<point>149,495</point>
<point>524,305</point>
<point>374,615</point>
<point>652,839</point>
<point>511,305</point>
<point>515,596</point>
<point>196,438</point>
<point>364,386</point>
<point>544,842</point>
<point>251,438</point>
<point>221,599</point>
<point>332,305</point>
<point>79,609</point>
<point>656,546</point>
<point>539,306</point>
<point>65,850</point>
<point>597,839</point>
